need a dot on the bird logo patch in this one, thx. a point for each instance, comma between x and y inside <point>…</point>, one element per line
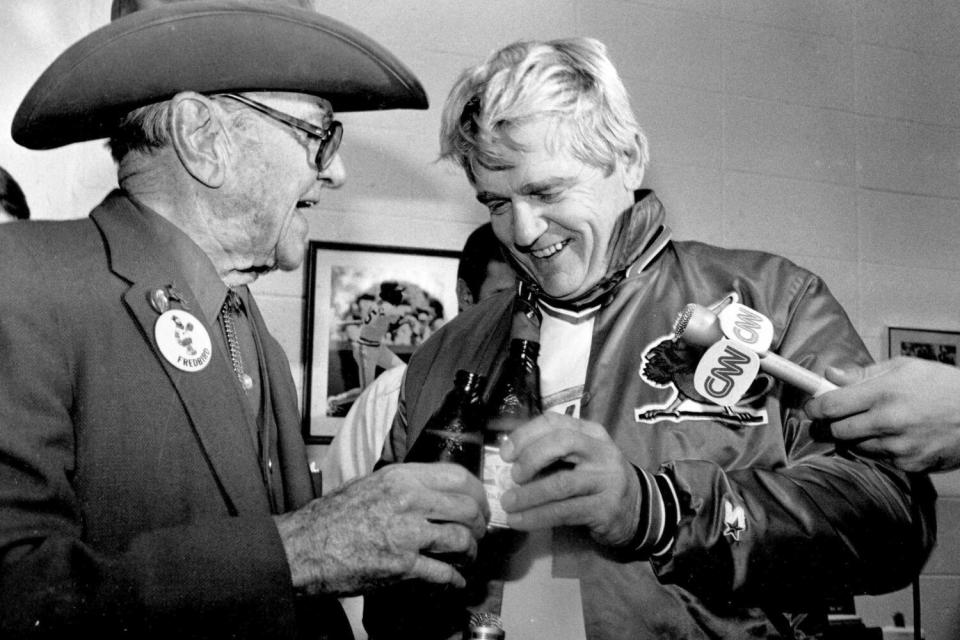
<point>672,364</point>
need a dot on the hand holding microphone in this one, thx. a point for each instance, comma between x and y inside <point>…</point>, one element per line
<point>738,340</point>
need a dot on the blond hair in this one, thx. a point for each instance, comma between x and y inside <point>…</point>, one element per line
<point>570,81</point>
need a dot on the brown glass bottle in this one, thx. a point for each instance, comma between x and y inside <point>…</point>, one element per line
<point>454,433</point>
<point>514,399</point>
<point>516,395</point>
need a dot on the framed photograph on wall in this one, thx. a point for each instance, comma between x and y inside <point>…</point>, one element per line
<point>942,346</point>
<point>367,307</point>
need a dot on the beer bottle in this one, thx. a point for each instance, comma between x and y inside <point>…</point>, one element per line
<point>454,433</point>
<point>516,395</point>
<point>514,399</point>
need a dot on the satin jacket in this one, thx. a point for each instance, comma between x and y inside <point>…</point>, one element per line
<point>132,499</point>
<point>772,520</point>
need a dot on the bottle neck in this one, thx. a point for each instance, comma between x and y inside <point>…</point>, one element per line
<point>522,349</point>
<point>467,382</point>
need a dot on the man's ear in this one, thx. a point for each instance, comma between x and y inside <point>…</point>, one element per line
<point>198,138</point>
<point>633,168</point>
<point>464,297</point>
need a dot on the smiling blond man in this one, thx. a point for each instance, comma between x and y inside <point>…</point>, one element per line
<point>648,512</point>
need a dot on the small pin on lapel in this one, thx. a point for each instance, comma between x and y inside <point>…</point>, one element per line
<point>159,300</point>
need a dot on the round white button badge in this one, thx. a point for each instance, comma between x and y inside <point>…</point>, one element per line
<point>183,340</point>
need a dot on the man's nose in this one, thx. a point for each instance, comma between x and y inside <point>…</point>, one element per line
<point>334,175</point>
<point>528,224</point>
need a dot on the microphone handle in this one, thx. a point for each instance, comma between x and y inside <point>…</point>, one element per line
<point>792,373</point>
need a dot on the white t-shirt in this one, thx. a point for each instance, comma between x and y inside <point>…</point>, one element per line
<point>359,442</point>
<point>537,604</point>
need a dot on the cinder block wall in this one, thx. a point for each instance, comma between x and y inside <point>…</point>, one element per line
<point>825,130</point>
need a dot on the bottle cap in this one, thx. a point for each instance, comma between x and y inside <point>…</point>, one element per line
<point>485,626</point>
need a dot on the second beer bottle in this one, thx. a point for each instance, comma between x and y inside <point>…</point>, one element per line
<point>514,399</point>
<point>454,433</point>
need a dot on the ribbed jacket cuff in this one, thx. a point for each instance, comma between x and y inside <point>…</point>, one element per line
<point>659,515</point>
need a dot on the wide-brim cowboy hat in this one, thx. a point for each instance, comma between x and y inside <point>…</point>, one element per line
<point>154,49</point>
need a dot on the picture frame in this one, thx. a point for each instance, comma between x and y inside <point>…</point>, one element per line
<point>413,292</point>
<point>927,344</point>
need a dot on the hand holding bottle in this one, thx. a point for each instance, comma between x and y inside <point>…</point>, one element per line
<point>386,527</point>
<point>452,434</point>
<point>596,486</point>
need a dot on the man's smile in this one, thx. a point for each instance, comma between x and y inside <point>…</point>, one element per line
<point>547,252</point>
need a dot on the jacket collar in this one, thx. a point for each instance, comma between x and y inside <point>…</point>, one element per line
<point>640,236</point>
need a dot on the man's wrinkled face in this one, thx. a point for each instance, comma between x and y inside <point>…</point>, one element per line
<point>555,213</point>
<point>276,181</point>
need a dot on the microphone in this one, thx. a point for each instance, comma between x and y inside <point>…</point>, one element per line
<point>739,328</point>
<point>725,373</point>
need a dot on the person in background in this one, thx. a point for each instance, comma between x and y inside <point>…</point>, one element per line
<point>905,410</point>
<point>649,512</point>
<point>153,478</point>
<point>13,204</point>
<point>481,273</point>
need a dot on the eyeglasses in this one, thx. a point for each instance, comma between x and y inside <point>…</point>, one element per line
<point>330,137</point>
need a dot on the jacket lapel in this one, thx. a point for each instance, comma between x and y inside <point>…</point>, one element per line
<point>298,489</point>
<point>209,396</point>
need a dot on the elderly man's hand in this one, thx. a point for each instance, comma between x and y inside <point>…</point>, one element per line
<point>905,410</point>
<point>571,473</point>
<point>389,526</point>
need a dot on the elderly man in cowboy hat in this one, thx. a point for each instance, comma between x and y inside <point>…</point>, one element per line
<point>153,481</point>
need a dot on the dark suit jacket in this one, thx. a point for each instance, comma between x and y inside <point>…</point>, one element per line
<point>131,498</point>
